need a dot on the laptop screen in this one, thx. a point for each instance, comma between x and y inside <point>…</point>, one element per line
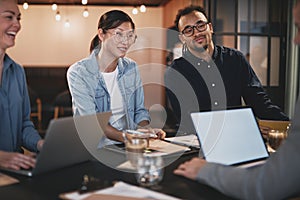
<point>229,136</point>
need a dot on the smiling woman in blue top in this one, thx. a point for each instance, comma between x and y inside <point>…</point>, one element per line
<point>108,81</point>
<point>16,129</point>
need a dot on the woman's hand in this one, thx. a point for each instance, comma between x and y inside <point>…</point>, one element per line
<point>16,161</point>
<point>155,132</point>
<point>40,144</point>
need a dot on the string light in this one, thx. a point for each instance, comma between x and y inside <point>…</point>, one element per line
<point>143,8</point>
<point>25,5</point>
<point>85,13</point>
<point>54,7</point>
<point>84,2</point>
<point>67,24</point>
<point>57,16</point>
<point>135,11</point>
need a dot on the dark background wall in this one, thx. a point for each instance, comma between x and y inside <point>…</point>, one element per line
<point>47,82</point>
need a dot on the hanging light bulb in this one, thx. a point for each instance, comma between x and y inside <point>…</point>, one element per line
<point>25,5</point>
<point>67,24</point>
<point>135,11</point>
<point>85,12</point>
<point>57,16</point>
<point>143,8</point>
<point>84,2</point>
<point>54,7</point>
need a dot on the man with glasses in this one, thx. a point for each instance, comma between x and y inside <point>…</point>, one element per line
<point>277,178</point>
<point>211,77</point>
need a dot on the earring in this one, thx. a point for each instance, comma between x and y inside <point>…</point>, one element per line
<point>184,48</point>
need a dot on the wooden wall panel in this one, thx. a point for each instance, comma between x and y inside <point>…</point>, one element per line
<point>171,8</point>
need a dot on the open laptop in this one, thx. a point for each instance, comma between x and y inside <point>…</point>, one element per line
<point>63,145</point>
<point>230,137</point>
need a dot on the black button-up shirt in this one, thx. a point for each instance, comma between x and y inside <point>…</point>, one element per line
<point>194,84</point>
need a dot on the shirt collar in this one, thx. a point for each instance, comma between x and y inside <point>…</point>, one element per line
<point>7,62</point>
<point>215,53</point>
<point>94,63</point>
<point>93,67</point>
<point>190,57</point>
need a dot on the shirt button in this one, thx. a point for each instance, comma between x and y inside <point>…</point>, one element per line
<point>199,64</point>
<point>216,103</point>
<point>213,85</point>
<point>208,66</point>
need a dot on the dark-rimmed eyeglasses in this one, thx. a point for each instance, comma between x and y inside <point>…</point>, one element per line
<point>189,30</point>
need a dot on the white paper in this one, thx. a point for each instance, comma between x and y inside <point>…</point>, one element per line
<point>126,190</point>
<point>187,140</point>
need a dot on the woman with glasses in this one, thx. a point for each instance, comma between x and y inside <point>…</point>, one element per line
<point>212,77</point>
<point>108,81</point>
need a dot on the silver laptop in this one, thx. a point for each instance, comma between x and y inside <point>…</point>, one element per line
<point>63,145</point>
<point>230,137</point>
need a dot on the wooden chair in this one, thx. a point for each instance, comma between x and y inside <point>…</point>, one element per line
<point>36,106</point>
<point>62,103</point>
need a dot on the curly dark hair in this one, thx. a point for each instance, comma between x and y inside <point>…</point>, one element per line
<point>188,10</point>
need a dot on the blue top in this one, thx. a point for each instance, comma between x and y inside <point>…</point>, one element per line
<point>90,94</point>
<point>195,84</point>
<point>16,129</point>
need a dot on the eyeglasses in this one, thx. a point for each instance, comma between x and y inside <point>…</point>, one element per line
<point>189,30</point>
<point>130,37</point>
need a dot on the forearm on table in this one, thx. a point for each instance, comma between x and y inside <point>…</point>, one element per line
<point>144,123</point>
<point>113,133</point>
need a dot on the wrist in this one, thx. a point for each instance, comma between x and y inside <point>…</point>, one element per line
<point>124,135</point>
<point>40,145</point>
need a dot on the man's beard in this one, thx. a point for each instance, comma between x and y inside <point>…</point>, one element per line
<point>202,49</point>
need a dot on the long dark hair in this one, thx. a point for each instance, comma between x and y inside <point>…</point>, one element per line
<point>110,20</point>
<point>95,43</point>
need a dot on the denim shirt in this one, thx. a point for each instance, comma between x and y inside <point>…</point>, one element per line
<point>16,128</point>
<point>90,95</point>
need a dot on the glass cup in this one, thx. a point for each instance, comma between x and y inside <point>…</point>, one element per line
<point>135,147</point>
<point>276,137</point>
<point>150,169</point>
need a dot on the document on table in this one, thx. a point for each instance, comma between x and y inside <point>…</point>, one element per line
<point>157,148</point>
<point>120,191</point>
<point>190,140</point>
<point>7,180</point>
<point>160,147</point>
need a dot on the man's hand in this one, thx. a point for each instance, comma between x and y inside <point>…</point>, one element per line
<point>265,131</point>
<point>191,168</point>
